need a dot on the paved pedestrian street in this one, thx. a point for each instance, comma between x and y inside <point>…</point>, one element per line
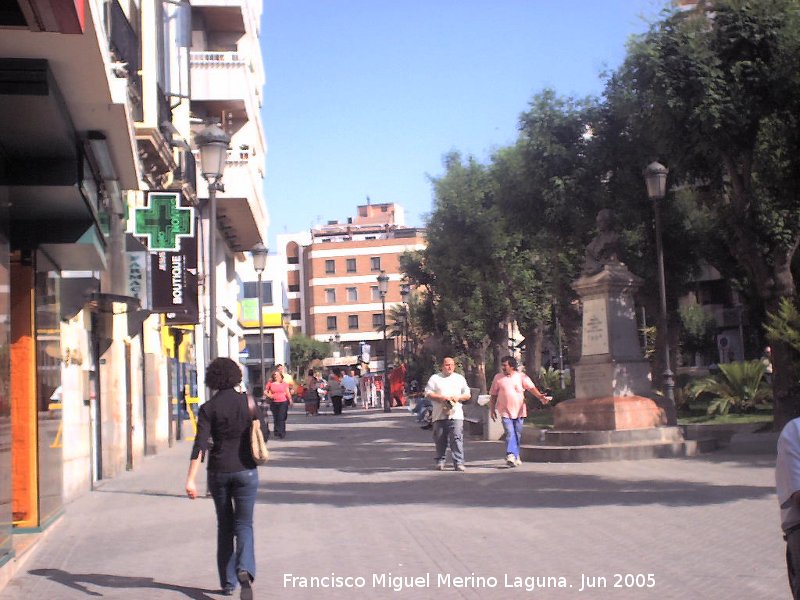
<point>350,507</point>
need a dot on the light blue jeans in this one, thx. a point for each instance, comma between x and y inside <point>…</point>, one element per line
<point>234,498</point>
<point>449,431</point>
<point>513,429</point>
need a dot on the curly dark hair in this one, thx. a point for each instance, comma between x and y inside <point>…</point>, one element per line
<point>222,374</point>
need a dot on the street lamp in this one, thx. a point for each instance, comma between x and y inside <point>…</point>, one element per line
<point>383,288</point>
<point>213,143</point>
<point>655,176</point>
<point>560,345</point>
<point>405,290</point>
<point>259,255</point>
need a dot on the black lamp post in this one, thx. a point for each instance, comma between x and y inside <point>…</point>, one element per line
<point>383,288</point>
<point>213,143</point>
<point>655,176</point>
<point>405,290</point>
<point>259,254</point>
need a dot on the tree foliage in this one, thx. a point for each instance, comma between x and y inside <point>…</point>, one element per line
<point>303,350</point>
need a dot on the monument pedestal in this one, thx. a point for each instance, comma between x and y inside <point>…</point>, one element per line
<point>608,413</point>
<point>611,417</point>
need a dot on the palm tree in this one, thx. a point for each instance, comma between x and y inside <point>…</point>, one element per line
<point>738,384</point>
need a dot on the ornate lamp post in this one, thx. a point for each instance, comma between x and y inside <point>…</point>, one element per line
<point>383,288</point>
<point>655,176</point>
<point>213,143</point>
<point>259,255</point>
<point>405,290</point>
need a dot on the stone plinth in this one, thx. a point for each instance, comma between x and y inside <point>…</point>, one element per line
<point>608,413</point>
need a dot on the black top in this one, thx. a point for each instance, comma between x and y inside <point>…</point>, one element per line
<point>225,420</point>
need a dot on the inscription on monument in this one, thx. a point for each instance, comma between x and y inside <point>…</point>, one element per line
<point>593,381</point>
<point>595,327</point>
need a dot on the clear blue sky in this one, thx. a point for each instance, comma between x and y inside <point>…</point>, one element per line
<point>364,97</point>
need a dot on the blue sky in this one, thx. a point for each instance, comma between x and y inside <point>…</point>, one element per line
<point>364,97</point>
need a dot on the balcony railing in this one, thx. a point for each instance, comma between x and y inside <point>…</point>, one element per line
<point>124,45</point>
<point>221,59</point>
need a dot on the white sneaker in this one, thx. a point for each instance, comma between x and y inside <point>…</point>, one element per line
<point>511,460</point>
<point>519,461</point>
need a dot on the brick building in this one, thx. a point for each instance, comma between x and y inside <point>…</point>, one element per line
<point>332,275</point>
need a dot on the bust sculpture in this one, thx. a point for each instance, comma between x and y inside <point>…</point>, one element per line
<point>604,248</point>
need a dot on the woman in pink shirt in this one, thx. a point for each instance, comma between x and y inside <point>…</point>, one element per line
<point>280,395</point>
<point>508,400</point>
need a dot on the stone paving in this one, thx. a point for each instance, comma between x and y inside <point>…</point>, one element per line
<point>349,507</point>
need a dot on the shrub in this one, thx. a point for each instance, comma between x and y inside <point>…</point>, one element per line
<point>737,384</point>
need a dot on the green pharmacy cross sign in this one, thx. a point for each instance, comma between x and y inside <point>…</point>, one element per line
<point>163,222</point>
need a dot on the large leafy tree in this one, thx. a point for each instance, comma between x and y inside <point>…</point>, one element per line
<point>465,300</point>
<point>719,91</point>
<point>547,195</point>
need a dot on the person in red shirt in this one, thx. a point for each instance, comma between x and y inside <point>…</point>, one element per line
<point>280,394</point>
<point>397,385</point>
<point>508,401</point>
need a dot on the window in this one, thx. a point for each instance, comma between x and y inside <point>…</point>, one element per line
<point>351,265</point>
<point>251,291</point>
<point>293,260</point>
<point>295,316</point>
<point>377,320</point>
<point>330,296</point>
<point>352,294</point>
<point>331,323</point>
<point>375,292</point>
<point>330,266</point>
<point>352,321</point>
<point>253,353</point>
<point>294,287</point>
<point>375,263</point>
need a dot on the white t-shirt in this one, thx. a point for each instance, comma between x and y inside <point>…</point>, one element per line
<point>452,385</point>
<point>787,472</point>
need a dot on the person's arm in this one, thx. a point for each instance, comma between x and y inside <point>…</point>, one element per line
<point>528,384</point>
<point>432,392</point>
<point>199,451</point>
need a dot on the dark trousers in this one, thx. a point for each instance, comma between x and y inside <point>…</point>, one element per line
<point>280,411</point>
<point>234,498</point>
<point>337,404</point>
<point>793,561</point>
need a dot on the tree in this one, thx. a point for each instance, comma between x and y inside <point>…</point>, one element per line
<point>719,92</point>
<point>462,296</point>
<point>547,196</point>
<point>303,350</point>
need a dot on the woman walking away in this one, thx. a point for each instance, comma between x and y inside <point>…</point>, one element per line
<point>232,473</point>
<point>336,390</point>
<point>310,396</point>
<point>280,394</point>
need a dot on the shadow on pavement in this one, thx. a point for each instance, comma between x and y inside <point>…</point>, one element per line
<point>76,581</point>
<point>388,460</point>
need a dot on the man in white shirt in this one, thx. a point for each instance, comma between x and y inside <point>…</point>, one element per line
<point>787,479</point>
<point>447,390</point>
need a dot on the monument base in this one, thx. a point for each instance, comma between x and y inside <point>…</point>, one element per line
<point>609,413</point>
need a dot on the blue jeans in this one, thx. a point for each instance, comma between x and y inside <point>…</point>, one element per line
<point>234,498</point>
<point>513,429</point>
<point>449,431</point>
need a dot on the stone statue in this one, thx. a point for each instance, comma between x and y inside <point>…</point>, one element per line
<point>604,248</point>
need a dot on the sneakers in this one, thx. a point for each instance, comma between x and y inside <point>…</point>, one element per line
<point>511,460</point>
<point>519,461</point>
<point>461,468</point>
<point>439,466</point>
<point>247,587</point>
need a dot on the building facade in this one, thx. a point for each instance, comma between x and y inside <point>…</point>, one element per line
<point>101,101</point>
<point>333,290</point>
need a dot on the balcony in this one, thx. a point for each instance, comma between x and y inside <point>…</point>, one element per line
<point>242,217</point>
<point>225,77</point>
